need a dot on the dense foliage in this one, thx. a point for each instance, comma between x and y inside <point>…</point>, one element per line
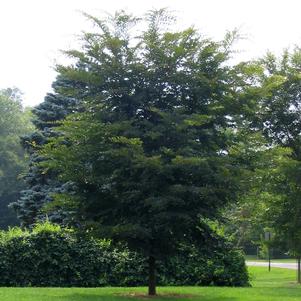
<point>14,122</point>
<point>50,256</point>
<point>281,111</point>
<point>40,186</point>
<point>150,154</point>
<point>273,203</point>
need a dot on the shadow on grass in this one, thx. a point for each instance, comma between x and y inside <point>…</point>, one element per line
<point>178,297</point>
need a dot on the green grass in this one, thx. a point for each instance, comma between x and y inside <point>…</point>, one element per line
<point>254,258</point>
<point>277,278</point>
<point>277,285</point>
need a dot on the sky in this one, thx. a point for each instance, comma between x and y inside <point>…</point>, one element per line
<point>33,32</point>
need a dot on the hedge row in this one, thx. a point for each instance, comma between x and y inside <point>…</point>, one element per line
<point>50,256</point>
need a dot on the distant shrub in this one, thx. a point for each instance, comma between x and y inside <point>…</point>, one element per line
<point>51,256</point>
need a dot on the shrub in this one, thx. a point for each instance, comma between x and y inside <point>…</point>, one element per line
<point>51,256</point>
<point>217,263</point>
<point>48,256</point>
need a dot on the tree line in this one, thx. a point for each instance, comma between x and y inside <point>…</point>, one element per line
<point>14,123</point>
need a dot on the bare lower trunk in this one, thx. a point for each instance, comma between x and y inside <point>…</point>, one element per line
<point>152,276</point>
<point>299,269</point>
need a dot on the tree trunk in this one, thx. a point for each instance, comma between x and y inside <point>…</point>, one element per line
<point>152,276</point>
<point>299,269</point>
<point>269,257</point>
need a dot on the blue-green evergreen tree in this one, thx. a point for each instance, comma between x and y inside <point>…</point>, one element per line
<point>41,185</point>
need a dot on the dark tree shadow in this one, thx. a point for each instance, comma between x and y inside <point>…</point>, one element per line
<point>100,297</point>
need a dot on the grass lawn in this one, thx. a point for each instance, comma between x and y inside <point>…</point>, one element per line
<point>278,285</point>
<point>254,258</point>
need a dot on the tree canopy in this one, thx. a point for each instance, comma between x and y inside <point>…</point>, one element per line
<point>149,154</point>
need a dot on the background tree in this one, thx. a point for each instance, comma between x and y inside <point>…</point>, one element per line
<point>39,185</point>
<point>273,164</point>
<point>246,220</point>
<point>243,219</point>
<point>150,155</point>
<point>14,122</point>
<point>280,118</point>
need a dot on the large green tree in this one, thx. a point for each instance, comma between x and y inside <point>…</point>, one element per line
<point>150,154</point>
<point>14,122</point>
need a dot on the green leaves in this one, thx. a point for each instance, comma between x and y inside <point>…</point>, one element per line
<point>14,122</point>
<point>197,120</point>
<point>149,152</point>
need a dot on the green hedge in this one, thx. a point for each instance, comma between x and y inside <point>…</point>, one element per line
<point>50,256</point>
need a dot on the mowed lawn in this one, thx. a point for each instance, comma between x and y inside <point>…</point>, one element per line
<point>278,285</point>
<point>284,260</point>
